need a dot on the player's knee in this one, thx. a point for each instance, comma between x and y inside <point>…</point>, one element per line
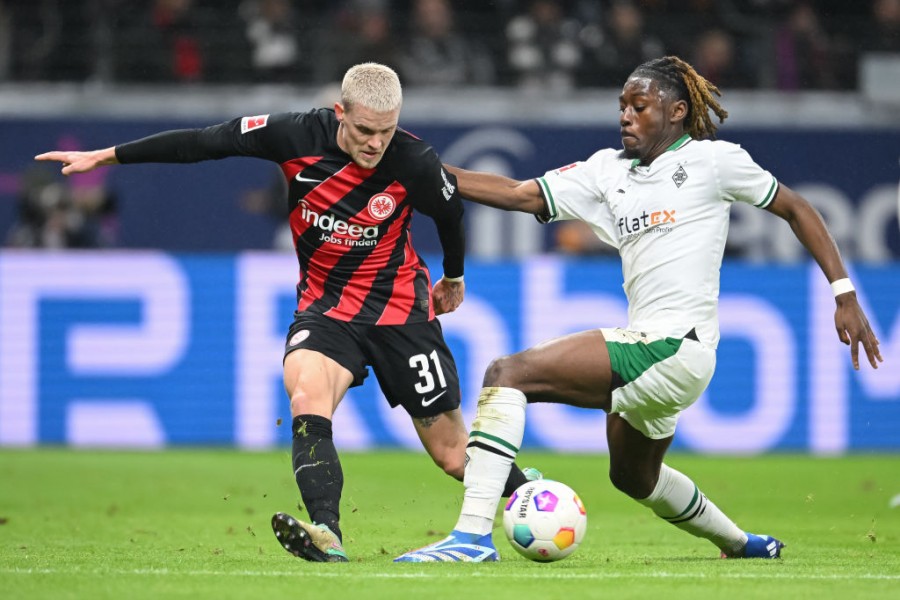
<point>299,403</point>
<point>503,372</point>
<point>454,466</point>
<point>634,485</point>
<point>303,403</point>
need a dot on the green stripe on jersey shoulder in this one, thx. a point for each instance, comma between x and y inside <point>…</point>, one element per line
<point>677,144</point>
<point>770,195</point>
<point>630,360</point>
<point>548,197</point>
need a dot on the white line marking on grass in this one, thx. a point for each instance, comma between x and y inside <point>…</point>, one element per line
<point>349,574</point>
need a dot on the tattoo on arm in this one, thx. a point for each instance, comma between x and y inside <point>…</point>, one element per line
<point>427,422</point>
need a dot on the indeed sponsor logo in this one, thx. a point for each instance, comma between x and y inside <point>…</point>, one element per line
<point>647,221</point>
<point>332,224</point>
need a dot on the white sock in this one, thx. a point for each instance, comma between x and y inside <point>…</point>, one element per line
<point>677,500</point>
<point>493,444</point>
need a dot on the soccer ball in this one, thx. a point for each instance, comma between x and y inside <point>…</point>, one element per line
<point>544,520</point>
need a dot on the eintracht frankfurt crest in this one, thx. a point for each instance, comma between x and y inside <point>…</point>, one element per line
<point>381,206</point>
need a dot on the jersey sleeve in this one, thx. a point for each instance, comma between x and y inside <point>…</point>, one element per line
<point>436,194</point>
<point>741,179</point>
<point>261,136</point>
<point>565,189</point>
<point>577,192</point>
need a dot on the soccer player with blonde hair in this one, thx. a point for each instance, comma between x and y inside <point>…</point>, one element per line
<point>365,298</point>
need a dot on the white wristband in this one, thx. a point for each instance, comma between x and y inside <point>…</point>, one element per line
<point>452,279</point>
<point>842,286</point>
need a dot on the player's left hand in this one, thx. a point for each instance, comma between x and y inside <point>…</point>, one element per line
<point>448,295</point>
<point>853,329</point>
<point>80,161</point>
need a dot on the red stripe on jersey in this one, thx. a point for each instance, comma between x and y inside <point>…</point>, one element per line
<point>337,186</point>
<point>404,293</point>
<point>306,283</point>
<point>318,265</point>
<point>292,167</point>
<point>354,296</point>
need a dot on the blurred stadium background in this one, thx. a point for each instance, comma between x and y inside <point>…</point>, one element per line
<point>145,306</point>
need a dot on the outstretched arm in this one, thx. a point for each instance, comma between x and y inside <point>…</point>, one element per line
<point>851,323</point>
<point>499,191</point>
<point>81,162</point>
<point>174,146</point>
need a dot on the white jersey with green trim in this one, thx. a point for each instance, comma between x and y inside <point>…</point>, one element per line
<point>669,221</point>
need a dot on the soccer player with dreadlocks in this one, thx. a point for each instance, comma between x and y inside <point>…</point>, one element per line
<point>663,200</point>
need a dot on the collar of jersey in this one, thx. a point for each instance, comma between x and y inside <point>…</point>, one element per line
<point>684,139</point>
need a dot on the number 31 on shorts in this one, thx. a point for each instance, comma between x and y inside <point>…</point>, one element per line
<point>423,364</point>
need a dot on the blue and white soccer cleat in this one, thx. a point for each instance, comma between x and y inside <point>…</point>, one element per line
<point>760,546</point>
<point>456,547</point>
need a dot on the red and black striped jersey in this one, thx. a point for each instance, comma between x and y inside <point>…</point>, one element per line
<point>351,225</point>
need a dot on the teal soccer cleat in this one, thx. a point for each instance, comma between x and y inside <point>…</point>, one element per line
<point>315,543</point>
<point>532,474</point>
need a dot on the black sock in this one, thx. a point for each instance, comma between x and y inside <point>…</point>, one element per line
<point>317,470</point>
<point>515,479</point>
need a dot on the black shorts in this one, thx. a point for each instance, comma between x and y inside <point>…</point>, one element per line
<point>412,362</point>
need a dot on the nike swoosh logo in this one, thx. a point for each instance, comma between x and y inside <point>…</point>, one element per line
<point>431,401</point>
<point>307,179</point>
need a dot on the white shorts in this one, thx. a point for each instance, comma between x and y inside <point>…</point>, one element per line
<point>656,377</point>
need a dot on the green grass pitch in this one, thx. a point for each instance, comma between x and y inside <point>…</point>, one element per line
<point>195,524</point>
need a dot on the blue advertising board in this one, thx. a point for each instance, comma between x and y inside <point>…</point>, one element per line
<point>154,349</point>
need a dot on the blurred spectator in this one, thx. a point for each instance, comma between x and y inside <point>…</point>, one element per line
<point>884,33</point>
<point>273,33</point>
<point>617,46</point>
<point>163,43</point>
<point>437,54</point>
<point>75,53</point>
<point>679,23</point>
<point>802,56</point>
<point>63,214</point>
<point>715,58</point>
<point>358,31</point>
<point>791,44</point>
<point>34,36</point>
<point>5,41</point>
<point>543,48</point>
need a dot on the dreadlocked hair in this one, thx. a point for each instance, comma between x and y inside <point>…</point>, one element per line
<point>675,75</point>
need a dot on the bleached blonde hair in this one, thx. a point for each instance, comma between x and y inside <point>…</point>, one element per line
<point>372,85</point>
